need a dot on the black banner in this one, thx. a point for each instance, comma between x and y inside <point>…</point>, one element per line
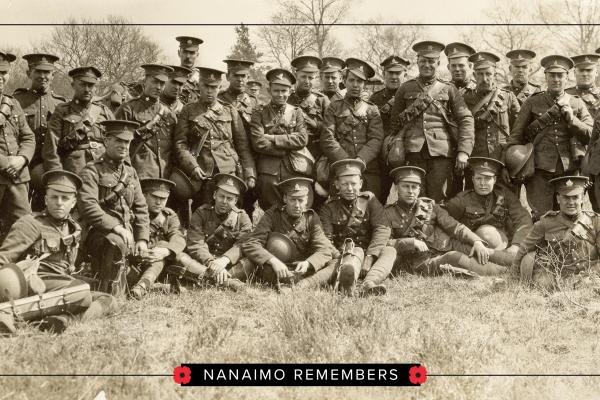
<point>300,374</point>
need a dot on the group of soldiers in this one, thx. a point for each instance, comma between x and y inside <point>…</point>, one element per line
<point>162,187</point>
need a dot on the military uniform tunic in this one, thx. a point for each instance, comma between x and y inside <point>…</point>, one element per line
<point>523,92</point>
<point>212,235</point>
<point>151,151</point>
<point>384,100</point>
<point>74,135</point>
<point>590,96</point>
<point>313,105</point>
<point>243,102</point>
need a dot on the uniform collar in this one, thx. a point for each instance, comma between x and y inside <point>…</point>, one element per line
<point>149,99</point>
<point>168,100</point>
<point>38,92</point>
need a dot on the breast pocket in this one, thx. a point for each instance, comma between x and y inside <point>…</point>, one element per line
<point>473,213</point>
<point>200,127</point>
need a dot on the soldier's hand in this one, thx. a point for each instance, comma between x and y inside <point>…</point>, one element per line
<point>480,252</point>
<point>461,160</point>
<point>125,234</point>
<point>280,268</point>
<point>141,248</point>
<point>421,246</point>
<point>270,138</point>
<point>14,165</point>
<point>302,267</point>
<point>219,264</point>
<point>197,174</point>
<point>567,113</point>
<point>505,176</point>
<point>159,253</point>
<point>366,266</point>
<point>221,276</point>
<point>250,182</point>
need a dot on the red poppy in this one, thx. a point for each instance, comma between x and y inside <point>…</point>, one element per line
<point>417,375</point>
<point>182,375</point>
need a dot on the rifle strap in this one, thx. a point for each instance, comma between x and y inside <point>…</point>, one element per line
<point>487,100</point>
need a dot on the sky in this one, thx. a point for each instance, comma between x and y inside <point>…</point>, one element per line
<point>218,39</point>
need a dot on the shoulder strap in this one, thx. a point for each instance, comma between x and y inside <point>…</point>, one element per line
<point>486,100</point>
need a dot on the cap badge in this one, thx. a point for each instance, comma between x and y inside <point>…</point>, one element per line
<point>189,41</point>
<point>43,59</point>
<point>430,47</point>
<point>569,183</point>
<point>297,187</point>
<point>229,182</point>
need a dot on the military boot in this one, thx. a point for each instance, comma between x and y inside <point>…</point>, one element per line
<point>487,269</point>
<point>57,323</point>
<point>502,257</point>
<point>234,285</point>
<point>102,304</point>
<point>370,288</point>
<point>140,289</point>
<point>346,279</point>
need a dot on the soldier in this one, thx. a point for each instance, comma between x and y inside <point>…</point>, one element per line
<point>459,65</point>
<point>432,124</point>
<point>151,151</point>
<point>520,69</point>
<point>214,232</point>
<point>53,236</point>
<point>166,238</point>
<point>550,120</point>
<point>172,92</point>
<point>331,78</point>
<point>562,243</point>
<point>394,73</point>
<point>210,138</point>
<point>112,205</point>
<point>586,72</point>
<point>238,72</point>
<point>253,88</point>
<point>302,228</point>
<point>592,167</point>
<point>188,54</point>
<point>38,103</point>
<point>426,238</point>
<point>358,218</point>
<point>75,135</point>
<point>17,146</point>
<point>352,127</point>
<point>493,109</point>
<point>277,134</point>
<point>489,205</point>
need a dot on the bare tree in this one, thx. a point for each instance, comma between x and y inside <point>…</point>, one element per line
<point>283,43</point>
<point>577,39</point>
<point>115,48</point>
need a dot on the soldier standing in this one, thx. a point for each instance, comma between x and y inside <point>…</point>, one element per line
<point>562,243</point>
<point>17,146</point>
<point>214,232</point>
<point>352,127</point>
<point>210,138</point>
<point>277,134</point>
<point>53,233</point>
<point>152,147</point>
<point>433,124</point>
<point>586,72</point>
<point>172,92</point>
<point>166,238</point>
<point>302,227</point>
<point>112,205</point>
<point>426,237</point>
<point>253,88</point>
<point>38,103</point>
<point>331,78</point>
<point>550,120</point>
<point>188,54</point>
<point>75,135</point>
<point>459,65</point>
<point>394,74</point>
<point>355,223</point>
<point>520,69</point>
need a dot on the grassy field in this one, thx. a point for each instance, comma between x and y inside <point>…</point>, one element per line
<point>449,325</point>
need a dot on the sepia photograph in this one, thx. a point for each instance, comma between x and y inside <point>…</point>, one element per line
<point>299,199</point>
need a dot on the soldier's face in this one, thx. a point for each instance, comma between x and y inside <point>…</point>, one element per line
<point>556,81</point>
<point>305,80</point>
<point>408,192</point>
<point>187,57</point>
<point>393,79</point>
<point>153,87</point>
<point>483,184</point>
<point>520,73</point>
<point>279,93</point>
<point>59,204</point>
<point>208,92</point>
<point>224,201</point>
<point>485,78</point>
<point>459,68</point>
<point>427,66</point>
<point>570,205</point>
<point>254,90</point>
<point>237,81</point>
<point>348,186</point>
<point>3,80</point>
<point>116,148</point>
<point>173,89</point>
<point>586,76</point>
<point>295,205</point>
<point>155,203</point>
<point>40,79</point>
<point>83,91</point>
<point>354,85</point>
<point>331,81</point>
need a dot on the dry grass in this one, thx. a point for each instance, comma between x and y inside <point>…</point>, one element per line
<point>451,326</point>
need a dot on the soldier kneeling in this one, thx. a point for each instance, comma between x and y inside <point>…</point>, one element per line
<point>52,238</point>
<point>562,243</point>
<point>310,249</point>
<point>212,255</point>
